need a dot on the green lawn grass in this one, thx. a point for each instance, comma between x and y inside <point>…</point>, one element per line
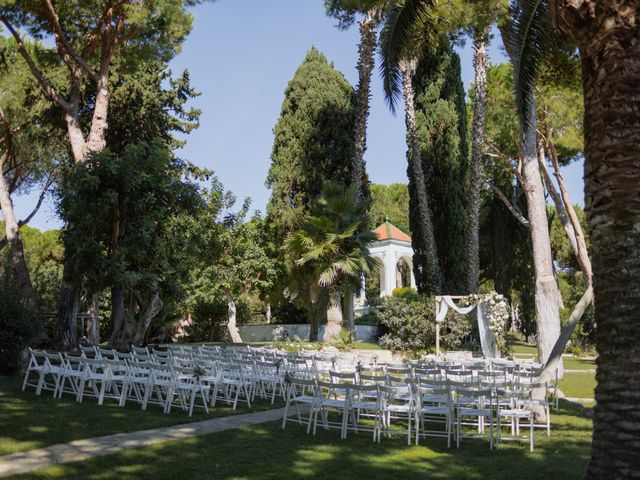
<point>578,385</point>
<point>268,452</point>
<point>28,421</point>
<point>576,363</point>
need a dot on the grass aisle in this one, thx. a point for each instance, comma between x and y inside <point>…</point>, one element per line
<point>28,422</point>
<point>267,452</point>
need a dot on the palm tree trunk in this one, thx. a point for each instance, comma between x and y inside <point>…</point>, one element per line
<point>366,62</point>
<point>611,80</point>
<point>475,170</point>
<point>334,316</point>
<point>432,268</point>
<point>547,296</point>
<point>348,306</point>
<point>319,315</point>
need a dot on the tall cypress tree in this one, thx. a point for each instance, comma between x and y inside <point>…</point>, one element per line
<point>313,139</point>
<point>313,142</point>
<point>442,127</point>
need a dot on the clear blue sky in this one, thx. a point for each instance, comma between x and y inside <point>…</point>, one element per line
<point>241,54</point>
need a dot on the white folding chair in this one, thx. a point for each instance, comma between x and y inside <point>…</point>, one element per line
<point>472,403</point>
<point>305,392</point>
<point>518,405</point>
<point>433,404</point>
<point>397,403</point>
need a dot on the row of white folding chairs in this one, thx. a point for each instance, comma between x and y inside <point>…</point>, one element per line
<point>397,375</point>
<point>419,406</point>
<point>121,380</point>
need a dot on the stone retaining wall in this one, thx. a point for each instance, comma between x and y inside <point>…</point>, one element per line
<point>267,333</point>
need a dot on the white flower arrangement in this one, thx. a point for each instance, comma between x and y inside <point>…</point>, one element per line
<point>496,309</point>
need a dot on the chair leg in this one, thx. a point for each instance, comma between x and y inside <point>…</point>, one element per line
<point>284,417</point>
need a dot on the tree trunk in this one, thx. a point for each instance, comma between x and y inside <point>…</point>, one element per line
<point>147,315</point>
<point>581,246</point>
<point>348,304</point>
<point>96,140</point>
<point>366,62</point>
<point>432,267</point>
<point>93,332</point>
<point>65,336</point>
<point>12,233</point>
<point>268,313</point>
<point>334,316</point>
<point>565,334</point>
<point>475,170</point>
<point>319,316</point>
<point>232,321</point>
<point>76,138</point>
<point>610,50</point>
<point>546,289</point>
<point>117,314</point>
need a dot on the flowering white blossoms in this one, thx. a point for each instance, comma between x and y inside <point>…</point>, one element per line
<point>496,310</point>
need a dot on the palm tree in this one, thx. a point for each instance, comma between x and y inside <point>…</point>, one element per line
<point>606,34</point>
<point>480,42</point>
<point>345,12</point>
<point>399,68</point>
<point>332,244</point>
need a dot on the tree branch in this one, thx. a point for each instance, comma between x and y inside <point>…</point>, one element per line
<point>581,252</point>
<point>49,90</point>
<point>64,44</point>
<point>514,210</point>
<point>505,159</point>
<point>557,201</point>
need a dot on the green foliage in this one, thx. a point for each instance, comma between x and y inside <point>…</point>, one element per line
<point>43,253</point>
<point>531,38</point>
<point>333,240</point>
<point>17,325</point>
<point>369,318</point>
<point>345,340</point>
<point>410,323</point>
<point>153,28</point>
<point>390,202</point>
<point>572,287</point>
<point>459,332</point>
<point>407,293</point>
<point>313,140</point>
<point>559,104</point>
<point>132,241</point>
<point>148,104</point>
<point>442,128</point>
<point>313,143</point>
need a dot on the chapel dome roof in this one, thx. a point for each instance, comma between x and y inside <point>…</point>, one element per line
<point>388,231</point>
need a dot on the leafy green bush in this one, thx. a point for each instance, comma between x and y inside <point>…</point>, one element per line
<point>410,323</point>
<point>344,340</point>
<point>369,318</point>
<point>459,332</point>
<point>406,292</point>
<point>18,327</point>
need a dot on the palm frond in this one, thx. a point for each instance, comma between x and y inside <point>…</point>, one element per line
<point>532,37</point>
<point>395,39</point>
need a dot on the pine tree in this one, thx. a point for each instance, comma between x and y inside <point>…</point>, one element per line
<point>313,140</point>
<point>442,127</point>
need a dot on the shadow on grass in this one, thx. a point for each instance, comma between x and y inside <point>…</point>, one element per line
<point>268,452</point>
<point>28,421</point>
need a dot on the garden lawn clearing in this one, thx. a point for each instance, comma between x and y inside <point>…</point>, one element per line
<point>268,452</point>
<point>28,421</point>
